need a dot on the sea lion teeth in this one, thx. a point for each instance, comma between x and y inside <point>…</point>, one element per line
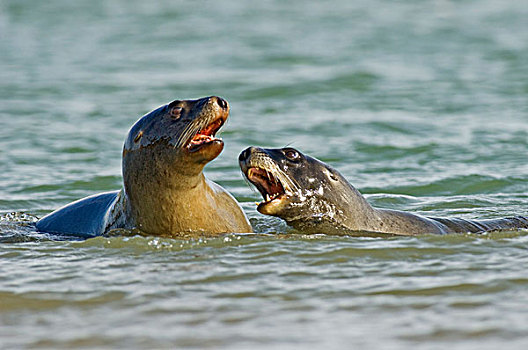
<point>199,141</point>
<point>205,135</point>
<point>266,182</point>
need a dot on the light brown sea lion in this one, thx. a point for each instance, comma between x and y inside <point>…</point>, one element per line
<point>313,197</point>
<point>165,191</point>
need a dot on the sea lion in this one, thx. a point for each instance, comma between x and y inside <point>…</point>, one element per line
<point>313,197</point>
<point>165,191</point>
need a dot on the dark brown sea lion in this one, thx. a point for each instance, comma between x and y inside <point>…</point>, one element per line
<point>165,191</point>
<point>313,197</point>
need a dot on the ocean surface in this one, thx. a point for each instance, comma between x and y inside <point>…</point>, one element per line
<point>422,105</point>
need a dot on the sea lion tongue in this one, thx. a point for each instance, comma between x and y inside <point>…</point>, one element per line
<point>207,135</point>
<point>266,183</point>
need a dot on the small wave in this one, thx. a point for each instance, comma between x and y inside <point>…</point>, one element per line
<point>455,185</point>
<point>20,217</point>
<point>17,227</point>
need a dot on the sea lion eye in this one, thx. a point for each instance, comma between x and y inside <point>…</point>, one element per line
<point>175,112</point>
<point>292,154</point>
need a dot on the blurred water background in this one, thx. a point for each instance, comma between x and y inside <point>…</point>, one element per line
<point>422,105</point>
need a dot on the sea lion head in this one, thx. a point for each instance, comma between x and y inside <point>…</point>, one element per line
<point>170,145</point>
<point>295,187</point>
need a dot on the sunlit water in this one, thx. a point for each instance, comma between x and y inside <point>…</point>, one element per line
<point>422,105</point>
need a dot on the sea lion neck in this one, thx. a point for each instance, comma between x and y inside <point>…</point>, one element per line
<point>159,168</point>
<point>180,209</point>
<point>333,207</point>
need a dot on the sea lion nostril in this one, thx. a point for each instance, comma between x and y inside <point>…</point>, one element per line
<point>244,155</point>
<point>221,102</point>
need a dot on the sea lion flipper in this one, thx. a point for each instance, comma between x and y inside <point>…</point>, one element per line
<point>84,218</point>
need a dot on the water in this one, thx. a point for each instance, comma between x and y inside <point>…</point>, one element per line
<point>422,105</point>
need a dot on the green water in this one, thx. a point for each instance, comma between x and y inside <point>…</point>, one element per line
<point>422,105</point>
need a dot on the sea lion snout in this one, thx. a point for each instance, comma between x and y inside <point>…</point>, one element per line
<point>244,154</point>
<point>198,105</point>
<point>212,103</point>
<point>248,152</point>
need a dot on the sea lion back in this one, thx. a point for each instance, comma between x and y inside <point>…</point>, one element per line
<point>85,218</point>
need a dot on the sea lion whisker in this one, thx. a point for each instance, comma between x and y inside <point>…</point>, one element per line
<point>190,130</point>
<point>292,185</point>
<point>205,124</point>
<point>285,181</point>
<point>183,136</point>
<point>271,177</point>
<point>246,180</point>
<point>289,184</point>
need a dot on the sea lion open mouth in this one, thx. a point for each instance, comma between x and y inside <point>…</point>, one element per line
<point>267,184</point>
<point>206,135</point>
<point>271,178</point>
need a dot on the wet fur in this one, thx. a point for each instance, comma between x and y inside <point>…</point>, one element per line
<point>325,202</point>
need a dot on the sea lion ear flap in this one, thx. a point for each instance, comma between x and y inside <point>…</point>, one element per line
<point>175,109</point>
